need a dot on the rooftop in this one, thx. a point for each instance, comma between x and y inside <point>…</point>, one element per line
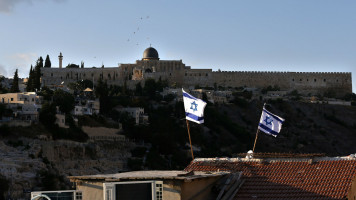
<point>149,175</point>
<point>290,177</point>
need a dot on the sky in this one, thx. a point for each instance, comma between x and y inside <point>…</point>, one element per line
<point>231,35</point>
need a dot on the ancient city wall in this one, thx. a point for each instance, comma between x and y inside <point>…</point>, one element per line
<point>305,82</point>
<point>179,75</point>
<point>55,76</point>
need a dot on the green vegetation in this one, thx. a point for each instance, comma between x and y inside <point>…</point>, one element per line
<point>270,88</point>
<point>2,89</point>
<point>47,62</point>
<point>51,180</point>
<point>15,83</point>
<point>34,79</point>
<point>72,65</point>
<point>5,185</point>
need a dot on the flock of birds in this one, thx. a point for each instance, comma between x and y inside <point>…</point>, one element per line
<point>134,33</point>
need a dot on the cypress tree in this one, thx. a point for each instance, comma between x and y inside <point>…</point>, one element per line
<point>33,82</point>
<point>40,61</point>
<point>82,64</point>
<point>37,74</point>
<point>29,86</point>
<point>15,83</point>
<point>47,62</point>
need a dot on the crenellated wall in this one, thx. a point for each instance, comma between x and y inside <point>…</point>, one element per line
<point>177,73</point>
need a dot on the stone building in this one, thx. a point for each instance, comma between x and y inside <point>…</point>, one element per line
<point>180,75</point>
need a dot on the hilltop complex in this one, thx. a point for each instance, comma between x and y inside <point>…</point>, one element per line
<point>180,75</point>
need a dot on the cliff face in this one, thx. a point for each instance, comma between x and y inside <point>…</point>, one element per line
<point>25,165</point>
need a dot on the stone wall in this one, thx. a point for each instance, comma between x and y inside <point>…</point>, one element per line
<point>180,75</point>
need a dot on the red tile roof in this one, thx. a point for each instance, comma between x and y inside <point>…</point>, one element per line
<point>320,178</point>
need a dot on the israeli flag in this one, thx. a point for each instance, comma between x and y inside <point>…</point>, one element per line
<point>194,108</point>
<point>270,123</point>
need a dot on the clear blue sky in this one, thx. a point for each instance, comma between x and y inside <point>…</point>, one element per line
<point>233,35</point>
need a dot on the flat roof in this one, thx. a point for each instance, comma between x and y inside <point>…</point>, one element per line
<point>149,175</point>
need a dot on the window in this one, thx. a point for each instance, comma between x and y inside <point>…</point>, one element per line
<point>293,79</point>
<point>12,99</point>
<point>314,80</point>
<point>51,74</point>
<point>324,80</point>
<point>79,196</point>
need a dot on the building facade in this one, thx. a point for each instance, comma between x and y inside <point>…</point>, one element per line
<point>180,75</point>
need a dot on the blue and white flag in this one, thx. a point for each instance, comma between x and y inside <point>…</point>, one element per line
<point>270,123</point>
<point>194,108</point>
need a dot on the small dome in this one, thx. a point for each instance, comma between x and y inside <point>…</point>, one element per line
<point>150,54</point>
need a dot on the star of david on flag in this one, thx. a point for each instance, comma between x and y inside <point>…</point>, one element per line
<point>194,108</point>
<point>270,123</point>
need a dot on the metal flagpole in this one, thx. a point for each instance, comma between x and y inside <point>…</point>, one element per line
<point>258,130</point>
<point>254,145</point>
<point>190,141</point>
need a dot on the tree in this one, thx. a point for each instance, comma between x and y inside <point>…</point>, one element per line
<point>29,86</point>
<point>48,114</point>
<point>37,74</point>
<point>15,83</point>
<point>2,89</point>
<point>82,64</point>
<point>102,91</point>
<point>46,93</point>
<point>150,88</point>
<point>5,185</point>
<point>71,65</point>
<point>40,61</point>
<point>47,62</point>
<point>64,100</point>
<point>138,89</point>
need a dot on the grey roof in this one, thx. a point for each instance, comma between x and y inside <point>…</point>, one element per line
<point>150,53</point>
<point>150,175</point>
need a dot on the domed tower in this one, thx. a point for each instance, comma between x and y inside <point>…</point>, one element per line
<point>150,54</point>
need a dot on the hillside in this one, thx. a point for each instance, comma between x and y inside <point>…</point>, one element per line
<point>309,128</point>
<point>228,130</point>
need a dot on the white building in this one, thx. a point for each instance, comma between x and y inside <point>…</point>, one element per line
<point>91,107</point>
<point>25,105</point>
<point>20,98</point>
<point>137,113</point>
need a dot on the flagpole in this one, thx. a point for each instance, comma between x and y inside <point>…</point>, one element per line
<point>258,130</point>
<point>190,141</point>
<point>254,145</point>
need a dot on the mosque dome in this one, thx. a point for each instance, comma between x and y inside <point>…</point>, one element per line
<point>150,54</point>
